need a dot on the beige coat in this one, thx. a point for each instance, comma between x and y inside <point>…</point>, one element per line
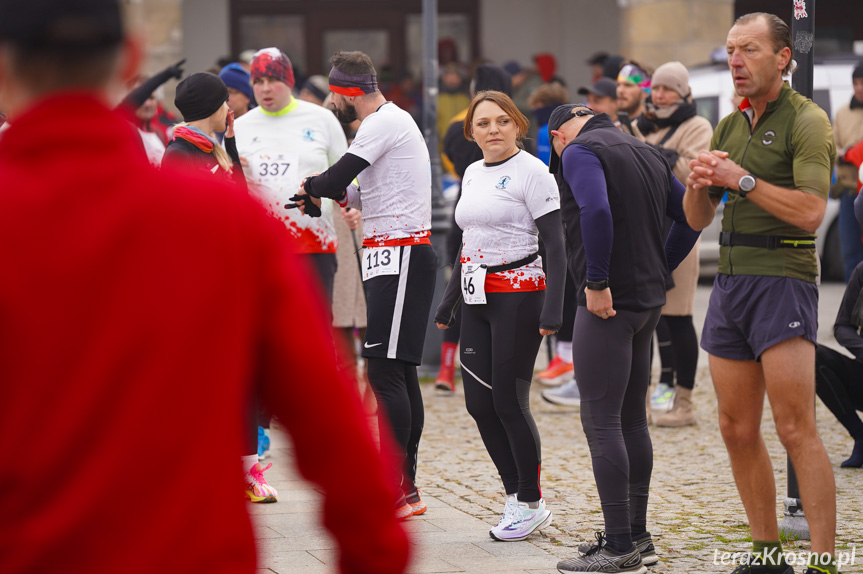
<point>847,130</point>
<point>848,127</point>
<point>349,303</point>
<point>691,137</point>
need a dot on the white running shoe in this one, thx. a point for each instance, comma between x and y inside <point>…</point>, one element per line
<point>565,395</point>
<point>509,510</point>
<point>524,522</point>
<point>662,399</point>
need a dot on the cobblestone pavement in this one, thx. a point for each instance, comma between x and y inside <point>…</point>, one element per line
<point>694,507</point>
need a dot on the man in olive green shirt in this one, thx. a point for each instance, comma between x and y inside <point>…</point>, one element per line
<point>774,157</point>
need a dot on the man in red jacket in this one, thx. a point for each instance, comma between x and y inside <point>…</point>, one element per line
<point>130,298</point>
<point>854,156</point>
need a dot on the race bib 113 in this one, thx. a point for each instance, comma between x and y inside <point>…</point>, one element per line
<point>380,261</point>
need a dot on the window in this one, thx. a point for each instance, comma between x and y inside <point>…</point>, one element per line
<point>285,32</point>
<point>390,31</point>
<point>708,108</point>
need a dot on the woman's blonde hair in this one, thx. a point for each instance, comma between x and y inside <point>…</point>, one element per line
<point>219,153</point>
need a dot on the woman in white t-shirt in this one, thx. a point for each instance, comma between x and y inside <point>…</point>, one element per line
<point>508,201</point>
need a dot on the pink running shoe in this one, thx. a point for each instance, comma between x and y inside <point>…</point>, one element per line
<point>257,489</point>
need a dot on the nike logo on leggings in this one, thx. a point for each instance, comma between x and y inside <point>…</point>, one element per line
<point>367,346</point>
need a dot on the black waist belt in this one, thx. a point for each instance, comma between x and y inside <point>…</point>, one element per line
<point>514,265</point>
<point>729,239</point>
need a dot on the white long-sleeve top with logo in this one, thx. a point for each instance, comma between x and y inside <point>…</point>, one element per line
<point>498,206</point>
<point>282,149</point>
<point>395,190</point>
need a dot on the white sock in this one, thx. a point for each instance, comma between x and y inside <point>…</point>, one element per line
<point>249,461</point>
<point>564,350</point>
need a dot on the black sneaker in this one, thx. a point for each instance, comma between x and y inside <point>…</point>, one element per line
<point>599,558</point>
<point>756,567</point>
<point>644,544</point>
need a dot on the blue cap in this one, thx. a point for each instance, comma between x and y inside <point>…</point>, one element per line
<point>512,67</point>
<point>235,76</point>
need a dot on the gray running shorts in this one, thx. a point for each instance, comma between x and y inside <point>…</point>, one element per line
<point>748,314</point>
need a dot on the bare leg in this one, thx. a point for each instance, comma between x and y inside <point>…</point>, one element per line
<point>740,392</point>
<point>789,373</point>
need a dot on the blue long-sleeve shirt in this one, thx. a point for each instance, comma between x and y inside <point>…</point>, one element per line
<point>583,171</point>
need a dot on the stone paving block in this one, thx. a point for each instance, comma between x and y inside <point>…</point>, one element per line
<point>442,539</point>
<point>431,566</point>
<point>512,549</point>
<point>292,524</point>
<point>468,528</point>
<point>454,547</point>
<point>420,564</point>
<point>264,532</point>
<point>296,562</point>
<point>445,513</point>
<point>418,527</point>
<point>305,541</point>
<point>432,501</point>
<point>299,536</point>
<point>502,563</point>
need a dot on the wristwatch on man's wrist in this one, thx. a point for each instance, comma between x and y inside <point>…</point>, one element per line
<point>597,285</point>
<point>746,184</point>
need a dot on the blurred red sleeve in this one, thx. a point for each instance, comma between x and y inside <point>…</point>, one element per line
<point>304,383</point>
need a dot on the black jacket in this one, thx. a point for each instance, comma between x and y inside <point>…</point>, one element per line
<point>183,154</point>
<point>638,181</point>
<point>846,329</point>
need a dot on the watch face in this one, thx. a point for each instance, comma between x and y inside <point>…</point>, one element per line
<point>747,183</point>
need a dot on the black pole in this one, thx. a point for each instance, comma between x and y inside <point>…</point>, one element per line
<point>794,523</point>
<point>803,36</point>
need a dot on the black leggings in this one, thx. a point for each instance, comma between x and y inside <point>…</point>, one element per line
<point>839,385</point>
<point>400,408</point>
<point>611,362</point>
<point>678,349</point>
<point>499,342</point>
<point>570,304</point>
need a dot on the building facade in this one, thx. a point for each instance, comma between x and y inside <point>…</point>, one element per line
<point>309,31</point>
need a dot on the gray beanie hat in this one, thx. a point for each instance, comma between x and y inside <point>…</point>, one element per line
<point>672,75</point>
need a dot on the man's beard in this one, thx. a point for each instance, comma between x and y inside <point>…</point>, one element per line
<point>632,107</point>
<point>347,115</point>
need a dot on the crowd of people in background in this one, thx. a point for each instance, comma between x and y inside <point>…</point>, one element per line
<point>319,153</point>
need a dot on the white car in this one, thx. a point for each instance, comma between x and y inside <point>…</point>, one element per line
<point>713,92</point>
